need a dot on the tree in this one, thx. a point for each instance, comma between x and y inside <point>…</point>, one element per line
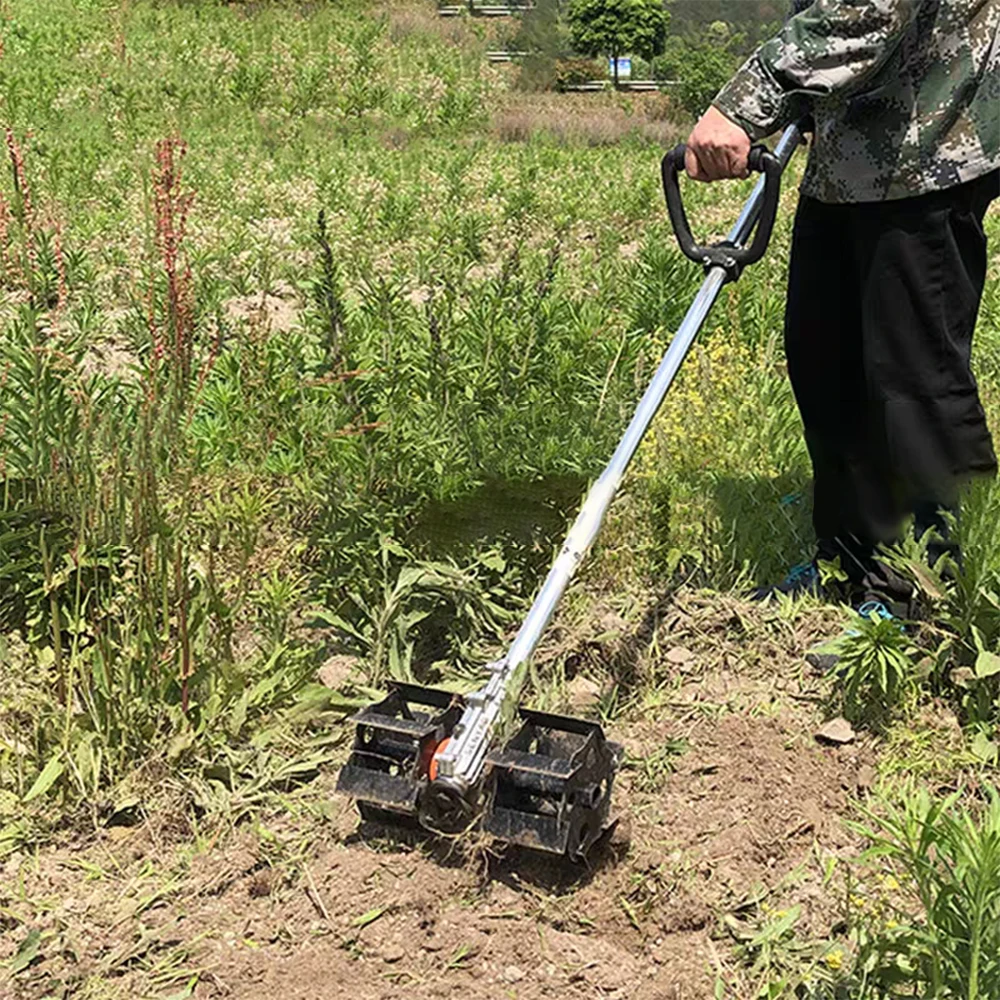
<point>754,20</point>
<point>615,28</point>
<point>702,62</point>
<point>544,35</point>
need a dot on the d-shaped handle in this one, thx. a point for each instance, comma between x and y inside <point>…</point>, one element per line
<point>727,255</point>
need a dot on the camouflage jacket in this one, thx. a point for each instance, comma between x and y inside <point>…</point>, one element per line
<point>904,94</point>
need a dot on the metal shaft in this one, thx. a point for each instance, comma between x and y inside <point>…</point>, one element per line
<point>462,761</point>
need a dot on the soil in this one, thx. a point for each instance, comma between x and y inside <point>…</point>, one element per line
<point>727,802</point>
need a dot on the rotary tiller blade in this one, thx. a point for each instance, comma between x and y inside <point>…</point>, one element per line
<point>394,743</point>
<point>552,785</point>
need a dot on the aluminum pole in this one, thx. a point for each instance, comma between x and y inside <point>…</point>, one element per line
<point>462,760</point>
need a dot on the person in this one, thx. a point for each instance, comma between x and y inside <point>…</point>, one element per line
<point>888,259</point>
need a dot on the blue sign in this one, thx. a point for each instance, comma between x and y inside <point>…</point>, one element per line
<point>624,66</point>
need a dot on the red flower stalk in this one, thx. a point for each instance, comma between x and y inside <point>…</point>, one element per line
<point>5,221</point>
<point>20,175</point>
<point>171,207</point>
<point>60,261</point>
<point>24,192</point>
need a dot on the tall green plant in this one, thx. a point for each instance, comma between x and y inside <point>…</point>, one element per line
<point>961,596</point>
<point>940,935</point>
<point>876,668</point>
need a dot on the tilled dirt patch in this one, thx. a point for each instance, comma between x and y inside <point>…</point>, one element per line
<point>727,801</point>
<point>368,915</point>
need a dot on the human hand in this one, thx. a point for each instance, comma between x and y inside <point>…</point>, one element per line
<point>717,148</point>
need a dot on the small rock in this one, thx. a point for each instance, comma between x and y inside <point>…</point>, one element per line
<point>836,731</point>
<point>393,952</point>
<point>813,817</point>
<point>679,655</point>
<point>583,694</point>
<point>866,778</point>
<point>658,954</point>
<point>610,976</point>
<point>512,974</point>
<point>336,671</point>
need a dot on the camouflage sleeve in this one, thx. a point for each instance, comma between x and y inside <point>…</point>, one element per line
<point>831,46</point>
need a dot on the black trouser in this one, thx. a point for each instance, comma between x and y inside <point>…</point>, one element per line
<point>882,303</point>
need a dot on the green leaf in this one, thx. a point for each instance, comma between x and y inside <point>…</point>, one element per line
<point>181,743</point>
<point>962,677</point>
<point>273,676</point>
<point>410,576</point>
<point>777,929</point>
<point>493,560</point>
<point>87,762</point>
<point>329,618</point>
<point>391,545</point>
<point>984,748</point>
<point>49,776</point>
<point>370,917</point>
<point>238,714</point>
<point>987,664</point>
<point>27,953</point>
<point>187,992</point>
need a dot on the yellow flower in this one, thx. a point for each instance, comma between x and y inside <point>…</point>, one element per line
<point>835,959</point>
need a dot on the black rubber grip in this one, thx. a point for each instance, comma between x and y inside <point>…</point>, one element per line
<point>760,160</point>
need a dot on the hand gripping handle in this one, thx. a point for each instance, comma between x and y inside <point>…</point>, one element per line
<point>726,255</point>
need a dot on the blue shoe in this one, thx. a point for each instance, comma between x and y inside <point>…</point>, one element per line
<point>801,579</point>
<point>825,657</point>
<point>873,608</point>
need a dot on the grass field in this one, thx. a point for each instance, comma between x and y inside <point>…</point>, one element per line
<point>314,331</point>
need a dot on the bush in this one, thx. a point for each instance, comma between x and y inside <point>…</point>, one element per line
<point>935,931</point>
<point>703,64</point>
<point>569,72</point>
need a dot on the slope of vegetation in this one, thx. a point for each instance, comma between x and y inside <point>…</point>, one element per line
<point>265,304</point>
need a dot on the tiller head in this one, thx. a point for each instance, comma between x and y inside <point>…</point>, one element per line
<point>549,788</point>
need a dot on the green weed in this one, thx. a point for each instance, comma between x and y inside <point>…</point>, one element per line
<point>777,963</point>
<point>934,932</point>
<point>430,618</point>
<point>652,769</point>
<point>876,668</point>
